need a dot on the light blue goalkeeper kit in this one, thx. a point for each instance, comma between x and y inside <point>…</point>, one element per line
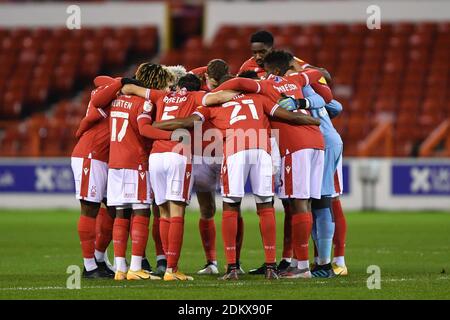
<point>323,227</point>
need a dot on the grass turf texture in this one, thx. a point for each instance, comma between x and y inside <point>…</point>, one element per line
<point>411,249</point>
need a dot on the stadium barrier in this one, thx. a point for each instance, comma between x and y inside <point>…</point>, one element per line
<point>369,183</point>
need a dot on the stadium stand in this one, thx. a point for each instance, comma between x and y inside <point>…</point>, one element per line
<point>391,75</point>
<point>43,67</point>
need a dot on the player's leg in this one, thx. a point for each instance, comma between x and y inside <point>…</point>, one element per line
<point>161,261</point>
<point>321,208</point>
<point>86,233</point>
<point>339,237</point>
<point>121,230</point>
<point>103,237</point>
<point>261,178</point>
<point>297,173</point>
<point>231,209</point>
<point>90,180</point>
<point>286,256</point>
<point>158,183</point>
<point>234,174</point>
<point>239,242</point>
<point>324,226</point>
<point>207,228</point>
<point>205,180</point>
<point>179,181</point>
<point>340,222</point>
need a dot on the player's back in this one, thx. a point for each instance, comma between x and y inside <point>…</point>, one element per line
<point>179,104</point>
<point>127,147</point>
<point>291,137</point>
<point>94,142</point>
<point>243,122</point>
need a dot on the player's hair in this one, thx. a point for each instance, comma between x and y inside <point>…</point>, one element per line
<point>216,69</point>
<point>178,71</point>
<point>190,81</point>
<point>262,36</point>
<point>154,76</point>
<point>250,74</point>
<point>225,77</point>
<point>278,59</point>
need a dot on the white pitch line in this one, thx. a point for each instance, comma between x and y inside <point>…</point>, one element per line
<point>221,284</point>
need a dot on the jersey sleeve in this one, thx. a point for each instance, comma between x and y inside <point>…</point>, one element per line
<point>103,95</point>
<point>301,63</point>
<point>146,129</point>
<point>240,84</point>
<point>199,98</point>
<point>199,71</point>
<point>306,77</point>
<point>93,115</point>
<point>323,90</point>
<point>269,106</point>
<point>154,95</point>
<point>203,112</point>
<point>244,67</point>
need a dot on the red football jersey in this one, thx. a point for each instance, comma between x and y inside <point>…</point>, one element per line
<point>128,149</point>
<point>291,137</point>
<point>173,105</point>
<point>94,138</point>
<point>243,122</point>
<point>251,65</point>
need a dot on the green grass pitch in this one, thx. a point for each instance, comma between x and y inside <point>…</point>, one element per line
<point>412,250</point>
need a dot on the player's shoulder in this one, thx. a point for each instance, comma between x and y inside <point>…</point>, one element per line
<point>248,64</point>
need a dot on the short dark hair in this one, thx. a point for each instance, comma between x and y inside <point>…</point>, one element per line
<point>250,74</point>
<point>216,69</point>
<point>279,59</point>
<point>262,36</point>
<point>225,77</point>
<point>190,81</point>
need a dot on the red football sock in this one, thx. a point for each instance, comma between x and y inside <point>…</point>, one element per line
<point>239,237</point>
<point>268,233</point>
<point>176,231</point>
<point>229,235</point>
<point>208,234</point>
<point>164,225</point>
<point>157,237</point>
<point>104,229</point>
<point>301,232</point>
<point>287,236</point>
<point>86,232</point>
<point>139,235</point>
<point>340,230</point>
<point>120,236</point>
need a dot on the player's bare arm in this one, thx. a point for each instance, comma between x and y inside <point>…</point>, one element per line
<point>177,123</point>
<point>240,85</point>
<point>219,97</point>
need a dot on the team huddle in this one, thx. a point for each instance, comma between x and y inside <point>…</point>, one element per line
<point>146,142</point>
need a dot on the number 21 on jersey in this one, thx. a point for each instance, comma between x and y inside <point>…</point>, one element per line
<point>235,116</point>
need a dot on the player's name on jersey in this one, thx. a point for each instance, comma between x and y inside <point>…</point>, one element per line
<point>286,87</point>
<point>168,99</point>
<point>119,103</point>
